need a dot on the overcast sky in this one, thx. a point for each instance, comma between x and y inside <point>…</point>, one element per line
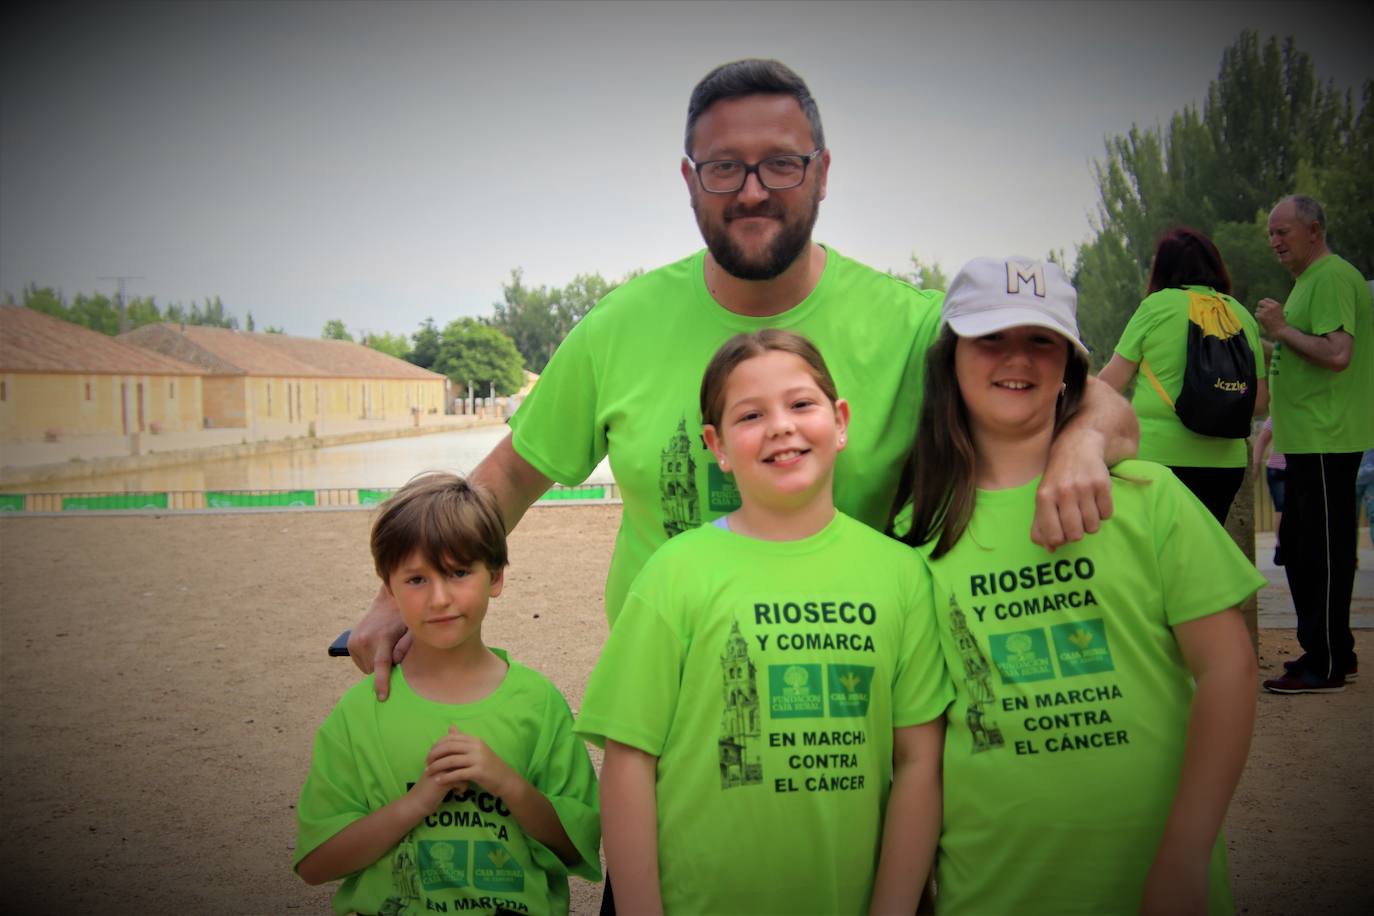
<point>381,163</point>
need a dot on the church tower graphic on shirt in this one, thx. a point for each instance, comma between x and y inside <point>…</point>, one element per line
<point>677,484</point>
<point>740,761</point>
<point>978,679</point>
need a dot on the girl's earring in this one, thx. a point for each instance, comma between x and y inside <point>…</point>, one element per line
<point>841,438</point>
<point>1063,387</point>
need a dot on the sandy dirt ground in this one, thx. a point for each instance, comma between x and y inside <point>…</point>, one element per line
<point>162,678</point>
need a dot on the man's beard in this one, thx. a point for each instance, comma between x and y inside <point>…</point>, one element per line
<point>780,254</point>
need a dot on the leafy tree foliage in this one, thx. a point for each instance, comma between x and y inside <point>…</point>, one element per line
<point>391,344</point>
<point>538,318</point>
<point>471,352</point>
<point>213,314</point>
<point>101,313</point>
<point>425,353</point>
<point>334,330</point>
<point>1267,128</point>
<point>924,276</point>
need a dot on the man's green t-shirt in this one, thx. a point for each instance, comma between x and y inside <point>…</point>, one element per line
<point>1315,409</point>
<point>767,677</point>
<point>626,380</point>
<point>1065,741</point>
<point>1157,334</point>
<point>470,855</point>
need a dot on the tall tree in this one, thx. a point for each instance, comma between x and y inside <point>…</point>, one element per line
<point>44,299</point>
<point>474,353</point>
<point>538,318</point>
<point>526,315</point>
<point>923,275</point>
<point>334,330</point>
<point>425,353</point>
<point>391,344</point>
<point>1266,123</point>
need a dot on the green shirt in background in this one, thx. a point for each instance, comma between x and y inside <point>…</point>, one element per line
<point>470,855</point>
<point>1158,335</point>
<point>767,677</point>
<point>1065,741</point>
<point>625,382</point>
<point>1315,409</point>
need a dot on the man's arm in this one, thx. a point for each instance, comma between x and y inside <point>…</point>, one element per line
<point>514,482</point>
<point>380,640</point>
<point>1075,493</point>
<point>1330,351</point>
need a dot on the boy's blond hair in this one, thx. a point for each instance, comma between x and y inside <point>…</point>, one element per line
<point>450,521</point>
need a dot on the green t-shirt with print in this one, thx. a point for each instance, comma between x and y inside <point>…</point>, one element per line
<point>767,677</point>
<point>1065,741</point>
<point>1315,409</point>
<point>626,380</point>
<point>1157,334</point>
<point>470,855</point>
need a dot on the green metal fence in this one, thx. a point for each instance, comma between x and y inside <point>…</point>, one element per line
<point>229,500</point>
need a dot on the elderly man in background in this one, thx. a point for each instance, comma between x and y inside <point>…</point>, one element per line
<point>1321,381</point>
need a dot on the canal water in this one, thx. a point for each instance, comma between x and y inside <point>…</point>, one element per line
<point>384,464</point>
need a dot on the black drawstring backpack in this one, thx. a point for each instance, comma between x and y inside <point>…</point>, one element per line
<point>1218,393</point>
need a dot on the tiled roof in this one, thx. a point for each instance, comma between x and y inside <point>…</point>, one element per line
<point>219,350</point>
<point>345,359</point>
<point>222,351</point>
<point>31,341</point>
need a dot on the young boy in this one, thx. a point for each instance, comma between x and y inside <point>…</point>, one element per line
<point>466,790</point>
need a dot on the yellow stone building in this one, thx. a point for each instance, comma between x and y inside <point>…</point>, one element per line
<point>58,379</point>
<point>281,385</point>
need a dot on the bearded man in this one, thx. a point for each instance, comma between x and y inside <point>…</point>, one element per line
<point>625,381</point>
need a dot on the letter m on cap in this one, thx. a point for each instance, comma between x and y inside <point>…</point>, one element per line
<point>1019,274</point>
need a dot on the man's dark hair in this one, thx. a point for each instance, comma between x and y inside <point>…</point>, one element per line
<point>1186,257</point>
<point>752,77</point>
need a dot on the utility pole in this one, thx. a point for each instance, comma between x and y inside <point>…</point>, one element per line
<point>123,315</point>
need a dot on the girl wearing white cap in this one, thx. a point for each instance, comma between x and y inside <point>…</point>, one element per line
<point>1104,692</point>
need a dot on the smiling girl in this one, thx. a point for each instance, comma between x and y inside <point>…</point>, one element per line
<point>1105,692</point>
<point>769,698</point>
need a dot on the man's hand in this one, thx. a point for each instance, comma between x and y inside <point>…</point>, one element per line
<point>1075,493</point>
<point>379,641</point>
<point>1269,313</point>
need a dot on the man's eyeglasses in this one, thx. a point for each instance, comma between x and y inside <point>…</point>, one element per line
<point>776,173</point>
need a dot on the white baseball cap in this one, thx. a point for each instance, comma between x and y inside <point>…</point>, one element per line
<point>992,294</point>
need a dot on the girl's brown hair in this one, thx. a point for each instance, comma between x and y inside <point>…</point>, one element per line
<point>938,481</point>
<point>744,347</point>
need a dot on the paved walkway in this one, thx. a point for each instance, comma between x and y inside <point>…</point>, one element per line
<point>1276,602</point>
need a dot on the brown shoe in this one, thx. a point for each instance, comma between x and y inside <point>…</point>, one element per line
<point>1304,681</point>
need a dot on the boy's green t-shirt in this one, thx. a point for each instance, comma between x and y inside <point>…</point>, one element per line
<point>626,382</point>
<point>767,678</point>
<point>470,855</point>
<point>1065,741</point>
<point>1158,335</point>
<point>1316,409</point>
